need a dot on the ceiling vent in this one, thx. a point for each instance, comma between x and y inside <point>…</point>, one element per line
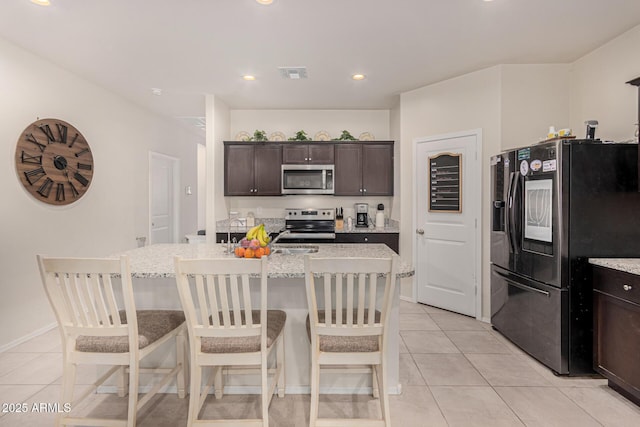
<point>293,73</point>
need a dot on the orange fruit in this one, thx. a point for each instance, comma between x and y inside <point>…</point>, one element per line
<point>259,252</point>
<point>239,252</point>
<point>249,253</point>
<point>267,251</point>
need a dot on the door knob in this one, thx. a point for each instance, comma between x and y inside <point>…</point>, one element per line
<point>419,231</point>
<point>627,287</point>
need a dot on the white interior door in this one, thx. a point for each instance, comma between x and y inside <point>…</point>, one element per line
<point>163,184</point>
<point>447,248</point>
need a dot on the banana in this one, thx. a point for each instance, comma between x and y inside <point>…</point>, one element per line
<point>251,234</point>
<point>263,236</point>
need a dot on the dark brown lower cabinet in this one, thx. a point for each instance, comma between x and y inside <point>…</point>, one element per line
<point>616,332</point>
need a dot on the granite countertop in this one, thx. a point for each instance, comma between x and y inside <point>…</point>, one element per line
<point>628,265</point>
<point>275,225</point>
<point>156,261</point>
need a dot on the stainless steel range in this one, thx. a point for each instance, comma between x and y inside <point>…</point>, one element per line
<point>305,224</point>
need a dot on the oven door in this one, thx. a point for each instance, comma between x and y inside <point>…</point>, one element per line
<point>307,179</point>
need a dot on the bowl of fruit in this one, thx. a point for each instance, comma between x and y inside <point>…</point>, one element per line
<point>255,244</point>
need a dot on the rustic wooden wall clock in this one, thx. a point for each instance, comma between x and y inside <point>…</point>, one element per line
<point>54,162</point>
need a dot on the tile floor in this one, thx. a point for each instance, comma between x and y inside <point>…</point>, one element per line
<point>455,371</point>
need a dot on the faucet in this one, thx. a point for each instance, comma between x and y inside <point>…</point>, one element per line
<point>279,236</point>
<point>231,221</point>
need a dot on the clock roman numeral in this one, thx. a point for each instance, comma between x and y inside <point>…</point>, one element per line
<point>62,131</point>
<point>74,191</point>
<point>45,188</point>
<point>81,152</point>
<point>60,192</point>
<point>47,131</point>
<point>34,175</point>
<point>33,140</point>
<point>82,166</point>
<point>32,160</point>
<point>81,179</point>
<point>73,141</point>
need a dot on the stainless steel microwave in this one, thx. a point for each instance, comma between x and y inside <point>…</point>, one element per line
<point>307,179</point>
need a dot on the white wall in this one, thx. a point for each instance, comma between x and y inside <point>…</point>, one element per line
<point>533,97</point>
<point>468,102</point>
<point>598,89</point>
<point>115,209</point>
<point>289,122</point>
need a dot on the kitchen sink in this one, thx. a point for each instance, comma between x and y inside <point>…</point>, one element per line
<point>294,250</point>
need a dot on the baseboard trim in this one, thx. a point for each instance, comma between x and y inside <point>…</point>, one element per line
<point>27,337</point>
<point>409,299</point>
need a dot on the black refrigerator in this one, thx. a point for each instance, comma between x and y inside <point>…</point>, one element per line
<point>554,205</point>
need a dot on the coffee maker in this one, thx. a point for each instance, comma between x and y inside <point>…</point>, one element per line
<point>362,214</point>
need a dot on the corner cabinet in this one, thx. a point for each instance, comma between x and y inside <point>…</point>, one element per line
<point>252,169</point>
<point>616,331</point>
<point>364,169</point>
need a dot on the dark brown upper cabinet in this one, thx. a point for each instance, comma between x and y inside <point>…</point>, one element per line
<point>296,153</point>
<point>252,169</point>
<point>364,169</point>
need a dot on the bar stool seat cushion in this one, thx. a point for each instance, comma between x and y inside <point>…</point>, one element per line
<point>152,325</point>
<point>275,322</point>
<point>345,344</point>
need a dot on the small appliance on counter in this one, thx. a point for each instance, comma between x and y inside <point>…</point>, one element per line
<point>380,216</point>
<point>339,219</point>
<point>362,214</point>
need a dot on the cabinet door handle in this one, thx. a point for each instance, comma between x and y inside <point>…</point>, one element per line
<point>365,190</point>
<point>361,190</point>
<point>309,159</point>
<point>366,239</point>
<point>627,287</point>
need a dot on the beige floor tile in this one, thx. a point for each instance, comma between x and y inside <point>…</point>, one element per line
<point>428,342</point>
<point>417,322</point>
<point>545,406</point>
<point>506,370</point>
<point>434,310</point>
<point>476,342</point>
<point>505,341</point>
<point>85,374</point>
<point>563,380</point>
<point>46,343</point>
<point>474,406</point>
<point>415,407</point>
<point>11,361</point>
<point>605,405</point>
<point>447,369</point>
<point>36,418</point>
<point>409,373</point>
<point>14,394</point>
<point>456,322</point>
<point>43,370</point>
<point>407,307</point>
<point>402,347</point>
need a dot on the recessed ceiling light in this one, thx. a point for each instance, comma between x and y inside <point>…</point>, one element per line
<point>358,77</point>
<point>156,91</point>
<point>41,2</point>
<point>249,77</point>
<point>265,2</point>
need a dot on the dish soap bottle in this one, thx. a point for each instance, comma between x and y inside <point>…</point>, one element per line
<point>380,216</point>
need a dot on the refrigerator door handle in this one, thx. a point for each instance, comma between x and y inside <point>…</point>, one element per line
<point>511,219</point>
<point>522,286</point>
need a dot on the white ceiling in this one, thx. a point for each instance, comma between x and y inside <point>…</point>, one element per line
<point>190,48</point>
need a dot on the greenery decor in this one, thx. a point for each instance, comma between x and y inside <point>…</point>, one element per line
<point>346,136</point>
<point>259,135</point>
<point>300,136</point>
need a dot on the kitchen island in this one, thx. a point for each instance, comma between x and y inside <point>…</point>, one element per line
<point>616,311</point>
<point>154,287</point>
